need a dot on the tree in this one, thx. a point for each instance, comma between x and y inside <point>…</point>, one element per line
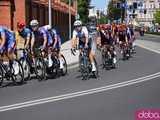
<point>103,20</point>
<point>83,10</point>
<point>114,13</point>
<point>157,16</point>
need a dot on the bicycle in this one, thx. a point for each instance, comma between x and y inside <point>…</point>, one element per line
<point>126,53</point>
<point>55,68</point>
<point>30,67</point>
<point>8,73</point>
<point>108,57</point>
<point>85,65</point>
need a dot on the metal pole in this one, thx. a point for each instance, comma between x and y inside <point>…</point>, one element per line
<point>69,19</point>
<point>50,12</point>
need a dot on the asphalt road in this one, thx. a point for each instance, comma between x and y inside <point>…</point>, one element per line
<point>150,37</point>
<point>116,101</point>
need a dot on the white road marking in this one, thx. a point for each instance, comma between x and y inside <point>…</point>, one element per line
<point>147,48</point>
<point>77,94</point>
<point>82,93</point>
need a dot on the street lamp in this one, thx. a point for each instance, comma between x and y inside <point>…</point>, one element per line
<point>50,12</point>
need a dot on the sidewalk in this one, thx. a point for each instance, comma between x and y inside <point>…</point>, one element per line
<point>72,60</point>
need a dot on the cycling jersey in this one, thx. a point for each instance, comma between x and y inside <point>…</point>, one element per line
<point>45,33</point>
<point>105,39</point>
<point>122,36</point>
<point>39,36</point>
<point>81,35</point>
<point>25,33</point>
<point>55,35</point>
<point>10,38</point>
<point>129,33</point>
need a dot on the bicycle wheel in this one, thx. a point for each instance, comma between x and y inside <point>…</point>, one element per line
<point>26,68</point>
<point>103,59</point>
<point>124,54</point>
<point>84,68</point>
<point>1,76</point>
<point>64,70</point>
<point>40,69</point>
<point>17,72</point>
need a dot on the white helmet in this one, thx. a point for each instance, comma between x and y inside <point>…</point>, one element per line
<point>47,27</point>
<point>34,23</point>
<point>77,23</point>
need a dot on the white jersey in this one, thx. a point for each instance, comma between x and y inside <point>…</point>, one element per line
<point>82,34</point>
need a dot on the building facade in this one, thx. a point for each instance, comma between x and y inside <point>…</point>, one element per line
<point>143,10</point>
<point>12,11</point>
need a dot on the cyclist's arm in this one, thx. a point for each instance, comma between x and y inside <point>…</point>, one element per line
<point>27,40</point>
<point>45,40</point>
<point>32,40</point>
<point>86,35</point>
<point>55,41</point>
<point>3,39</point>
<point>74,39</point>
<point>87,39</point>
<point>55,38</point>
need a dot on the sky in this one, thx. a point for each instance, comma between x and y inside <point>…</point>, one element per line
<point>99,4</point>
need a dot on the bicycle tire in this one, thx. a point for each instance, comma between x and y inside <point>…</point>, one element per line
<point>42,75</point>
<point>1,76</point>
<point>26,69</point>
<point>21,72</point>
<point>65,69</point>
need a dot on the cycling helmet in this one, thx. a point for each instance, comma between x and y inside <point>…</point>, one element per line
<point>77,23</point>
<point>47,27</point>
<point>20,25</point>
<point>34,23</point>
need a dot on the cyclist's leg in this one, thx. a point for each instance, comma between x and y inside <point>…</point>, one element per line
<point>33,46</point>
<point>11,55</point>
<point>49,49</point>
<point>59,55</point>
<point>92,57</point>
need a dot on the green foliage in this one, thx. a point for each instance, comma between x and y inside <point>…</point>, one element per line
<point>83,6</point>
<point>157,16</point>
<point>113,12</point>
<point>83,11</point>
<point>103,20</point>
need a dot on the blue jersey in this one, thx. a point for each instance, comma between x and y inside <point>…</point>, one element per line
<point>55,34</point>
<point>10,36</point>
<point>45,33</point>
<point>25,33</point>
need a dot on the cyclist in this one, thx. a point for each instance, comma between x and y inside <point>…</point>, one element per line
<point>107,41</point>
<point>130,35</point>
<point>24,32</point>
<point>114,30</point>
<point>122,37</point>
<point>8,44</point>
<point>98,37</point>
<point>57,45</point>
<point>41,38</point>
<point>81,37</point>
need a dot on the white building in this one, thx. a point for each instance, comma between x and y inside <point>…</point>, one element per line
<point>148,6</point>
<point>92,12</point>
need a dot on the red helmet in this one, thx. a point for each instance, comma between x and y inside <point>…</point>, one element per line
<point>21,25</point>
